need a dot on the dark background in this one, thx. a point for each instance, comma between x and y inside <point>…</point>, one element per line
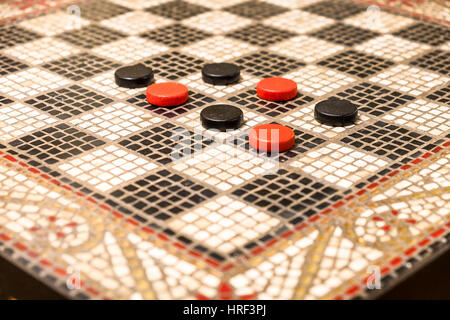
<point>432,282</point>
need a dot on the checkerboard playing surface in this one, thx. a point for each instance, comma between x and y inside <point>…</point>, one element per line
<point>146,204</point>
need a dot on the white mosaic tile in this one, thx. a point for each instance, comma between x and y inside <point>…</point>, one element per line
<point>30,82</point>
<point>216,4</point>
<point>292,4</point>
<point>224,224</point>
<point>55,23</point>
<point>306,49</point>
<point>217,22</point>
<point>223,166</point>
<point>136,22</point>
<point>298,21</point>
<point>446,46</point>
<point>116,121</point>
<point>139,4</point>
<point>392,48</point>
<point>18,119</point>
<point>219,49</point>
<point>196,82</point>
<point>407,79</point>
<point>304,119</point>
<point>42,50</point>
<point>379,21</point>
<point>107,167</point>
<point>339,164</point>
<point>429,117</point>
<point>319,81</point>
<point>130,50</point>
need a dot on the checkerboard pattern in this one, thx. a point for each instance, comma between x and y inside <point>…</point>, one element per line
<point>150,205</point>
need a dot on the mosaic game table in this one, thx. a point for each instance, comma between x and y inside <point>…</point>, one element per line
<point>99,198</point>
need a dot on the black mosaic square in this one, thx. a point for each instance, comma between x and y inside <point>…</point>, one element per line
<point>337,10</point>
<point>163,194</point>
<point>91,36</point>
<point>174,65</point>
<point>68,102</point>
<point>266,64</point>
<point>387,140</point>
<point>56,143</point>
<point>256,10</point>
<point>250,100</point>
<point>374,99</point>
<point>344,34</point>
<point>291,196</point>
<point>356,63</point>
<point>437,61</point>
<point>98,10</point>
<point>441,95</point>
<point>12,36</point>
<point>177,10</point>
<point>261,35</point>
<point>303,143</point>
<point>8,65</point>
<point>175,35</point>
<point>195,100</point>
<point>431,34</point>
<point>165,143</point>
<point>80,66</point>
<point>5,100</point>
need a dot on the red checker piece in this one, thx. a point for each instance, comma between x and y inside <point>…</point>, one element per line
<point>271,137</point>
<point>276,89</point>
<point>167,94</point>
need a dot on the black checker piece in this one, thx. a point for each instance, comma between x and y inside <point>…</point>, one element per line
<point>12,36</point>
<point>250,100</point>
<point>98,10</point>
<point>195,100</point>
<point>8,65</point>
<point>344,34</point>
<point>431,34</point>
<point>356,63</point>
<point>163,194</point>
<point>256,10</point>
<point>335,9</point>
<point>177,10</point>
<point>441,95</point>
<point>175,35</point>
<point>374,99</point>
<point>265,64</point>
<point>387,140</point>
<point>437,61</point>
<point>261,35</point>
<point>68,102</point>
<point>80,66</point>
<point>291,196</point>
<point>174,65</point>
<point>166,143</point>
<point>91,36</point>
<point>56,143</point>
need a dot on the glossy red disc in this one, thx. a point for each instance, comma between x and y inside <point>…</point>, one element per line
<point>271,138</point>
<point>276,89</point>
<point>167,94</point>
